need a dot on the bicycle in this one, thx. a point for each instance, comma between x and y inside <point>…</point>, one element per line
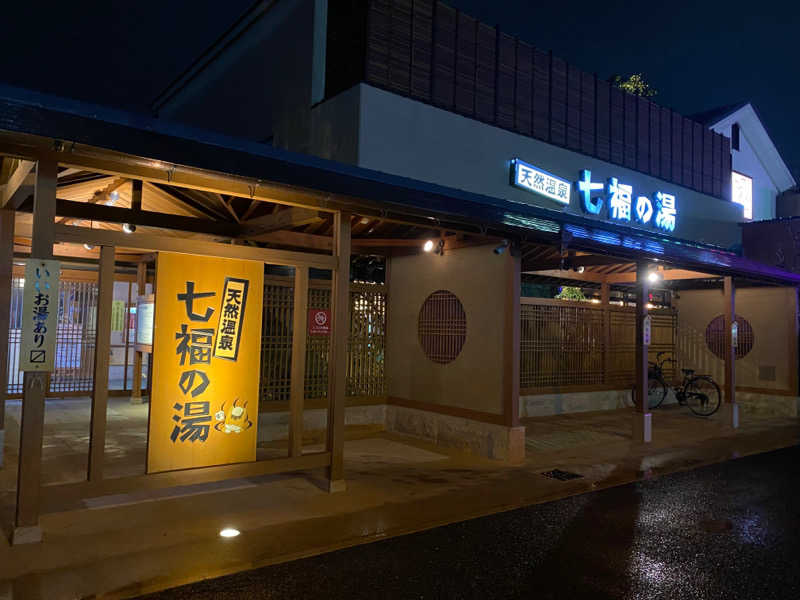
<point>699,392</point>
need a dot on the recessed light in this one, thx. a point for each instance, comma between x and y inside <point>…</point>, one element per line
<point>229,532</point>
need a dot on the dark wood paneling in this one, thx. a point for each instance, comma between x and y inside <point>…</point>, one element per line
<point>708,143</point>
<point>617,125</point>
<point>558,101</point>
<point>573,107</point>
<point>677,147</point>
<point>643,134</point>
<point>655,139</point>
<point>379,32</point>
<point>444,56</point>
<point>603,109</point>
<point>523,89</point>
<point>400,47</point>
<point>587,114</point>
<point>686,178</point>
<point>541,95</point>
<point>422,49</point>
<point>485,76</point>
<point>716,176</point>
<point>697,156</point>
<point>630,130</point>
<point>465,64</point>
<point>506,79</point>
<point>665,133</point>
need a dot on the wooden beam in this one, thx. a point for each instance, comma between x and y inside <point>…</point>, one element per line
<point>337,362</point>
<point>666,275</point>
<point>136,195</point>
<point>296,238</point>
<point>136,384</point>
<point>588,260</point>
<point>97,426</point>
<point>298,370</point>
<point>19,185</point>
<point>102,237</point>
<point>99,196</point>
<point>573,275</point>
<point>283,219</point>
<point>35,384</point>
<point>729,296</point>
<point>6,277</point>
<point>511,346</point>
<point>71,211</point>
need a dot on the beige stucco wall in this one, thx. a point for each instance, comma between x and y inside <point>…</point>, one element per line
<point>770,311</point>
<point>474,380</point>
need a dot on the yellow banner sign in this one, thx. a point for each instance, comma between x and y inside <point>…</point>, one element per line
<point>206,362</point>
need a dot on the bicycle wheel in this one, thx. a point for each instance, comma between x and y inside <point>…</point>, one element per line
<point>703,395</point>
<point>656,391</point>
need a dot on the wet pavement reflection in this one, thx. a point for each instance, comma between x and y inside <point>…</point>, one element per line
<point>724,531</point>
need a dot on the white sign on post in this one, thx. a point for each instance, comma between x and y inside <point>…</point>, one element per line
<point>646,330</point>
<point>735,334</point>
<point>39,315</point>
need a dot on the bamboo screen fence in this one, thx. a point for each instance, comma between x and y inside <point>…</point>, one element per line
<point>576,344</point>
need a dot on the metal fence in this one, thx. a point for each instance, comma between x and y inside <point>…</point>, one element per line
<point>569,343</point>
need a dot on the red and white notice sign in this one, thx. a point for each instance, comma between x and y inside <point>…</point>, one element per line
<point>319,321</point>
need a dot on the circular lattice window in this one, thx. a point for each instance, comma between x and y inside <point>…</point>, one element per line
<point>715,337</point>
<point>442,327</point>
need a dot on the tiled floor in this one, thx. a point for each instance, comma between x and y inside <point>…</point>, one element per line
<point>125,544</point>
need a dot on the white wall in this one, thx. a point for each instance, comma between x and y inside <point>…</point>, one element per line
<point>746,162</point>
<point>405,137</point>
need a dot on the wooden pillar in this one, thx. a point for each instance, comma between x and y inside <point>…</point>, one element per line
<point>35,384</point>
<point>512,339</point>
<point>6,277</point>
<point>97,427</point>
<point>136,384</point>
<point>730,409</point>
<point>298,376</point>
<point>794,340</point>
<point>605,302</point>
<point>337,361</point>
<point>642,425</point>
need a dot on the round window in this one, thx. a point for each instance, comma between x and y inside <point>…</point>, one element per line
<point>442,327</point>
<point>715,336</point>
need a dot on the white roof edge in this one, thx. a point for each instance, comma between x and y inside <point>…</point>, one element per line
<point>763,146</point>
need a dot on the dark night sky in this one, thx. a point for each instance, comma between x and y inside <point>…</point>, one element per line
<point>699,55</point>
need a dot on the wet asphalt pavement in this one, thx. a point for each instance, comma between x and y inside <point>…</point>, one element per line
<point>727,531</point>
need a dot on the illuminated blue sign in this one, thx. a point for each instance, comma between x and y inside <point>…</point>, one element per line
<point>536,180</point>
<point>661,211</point>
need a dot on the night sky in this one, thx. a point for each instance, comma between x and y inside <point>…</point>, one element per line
<point>698,55</point>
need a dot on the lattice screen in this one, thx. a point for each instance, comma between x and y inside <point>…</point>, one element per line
<point>442,327</point>
<point>715,337</point>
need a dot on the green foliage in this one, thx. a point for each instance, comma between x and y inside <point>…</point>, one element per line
<point>635,84</point>
<point>570,293</point>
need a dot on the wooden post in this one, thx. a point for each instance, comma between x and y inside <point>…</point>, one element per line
<point>6,277</point>
<point>298,376</point>
<point>642,425</point>
<point>102,348</point>
<point>794,340</point>
<point>605,302</point>
<point>512,339</point>
<point>136,384</point>
<point>35,384</point>
<point>730,410</point>
<point>337,361</point>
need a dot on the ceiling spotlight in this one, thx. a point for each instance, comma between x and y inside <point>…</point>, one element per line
<point>428,246</point>
<point>229,532</point>
<point>501,248</point>
<point>653,276</point>
<point>580,269</point>
<point>88,246</point>
<point>128,227</point>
